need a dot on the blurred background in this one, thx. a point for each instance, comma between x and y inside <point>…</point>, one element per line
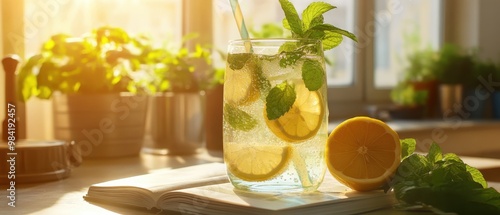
<point>400,42</point>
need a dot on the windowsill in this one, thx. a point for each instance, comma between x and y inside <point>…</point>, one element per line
<point>463,137</point>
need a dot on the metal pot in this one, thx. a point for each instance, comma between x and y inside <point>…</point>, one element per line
<point>176,123</point>
<point>102,125</point>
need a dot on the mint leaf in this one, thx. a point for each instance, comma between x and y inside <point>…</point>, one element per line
<point>286,25</point>
<point>313,74</point>
<point>434,153</point>
<point>331,28</point>
<point>238,61</point>
<point>289,58</point>
<point>313,11</point>
<point>238,119</point>
<point>317,21</point>
<point>451,156</point>
<point>477,176</point>
<point>279,100</point>
<point>331,40</point>
<point>292,16</point>
<point>407,147</point>
<point>443,182</point>
<point>287,47</point>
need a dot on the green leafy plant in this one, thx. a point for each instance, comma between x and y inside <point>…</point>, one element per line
<point>453,65</point>
<point>421,66</point>
<point>404,94</point>
<point>103,61</point>
<point>442,182</point>
<point>184,69</point>
<point>480,69</point>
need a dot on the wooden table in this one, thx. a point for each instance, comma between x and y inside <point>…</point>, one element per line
<point>66,196</point>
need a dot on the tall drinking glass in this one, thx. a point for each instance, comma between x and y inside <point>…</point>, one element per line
<point>275,114</point>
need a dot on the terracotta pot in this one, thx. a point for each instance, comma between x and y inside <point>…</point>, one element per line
<point>431,108</point>
<point>102,125</point>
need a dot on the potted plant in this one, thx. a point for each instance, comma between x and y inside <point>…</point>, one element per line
<point>177,122</point>
<point>453,68</point>
<point>409,102</point>
<point>97,84</point>
<point>474,103</point>
<point>421,73</point>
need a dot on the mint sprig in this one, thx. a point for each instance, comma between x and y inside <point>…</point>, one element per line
<point>312,26</point>
<point>442,181</point>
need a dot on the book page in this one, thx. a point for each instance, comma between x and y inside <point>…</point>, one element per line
<point>144,190</point>
<point>173,179</point>
<point>331,198</point>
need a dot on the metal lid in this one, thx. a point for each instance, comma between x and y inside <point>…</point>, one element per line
<point>36,161</point>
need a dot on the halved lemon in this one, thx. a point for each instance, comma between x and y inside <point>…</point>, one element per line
<point>240,87</point>
<point>304,118</point>
<point>256,162</point>
<point>363,153</point>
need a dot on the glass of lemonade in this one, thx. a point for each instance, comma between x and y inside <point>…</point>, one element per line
<point>275,114</point>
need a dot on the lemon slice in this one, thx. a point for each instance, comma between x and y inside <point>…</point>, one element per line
<point>304,118</point>
<point>256,162</point>
<point>240,87</point>
<point>363,153</point>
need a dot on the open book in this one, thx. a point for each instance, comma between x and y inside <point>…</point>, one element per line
<point>205,189</point>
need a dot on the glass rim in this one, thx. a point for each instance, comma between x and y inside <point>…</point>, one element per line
<point>270,40</point>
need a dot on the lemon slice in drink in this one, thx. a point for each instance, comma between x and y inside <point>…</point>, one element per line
<point>240,87</point>
<point>304,118</point>
<point>256,162</point>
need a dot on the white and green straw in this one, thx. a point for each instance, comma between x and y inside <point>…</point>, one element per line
<point>238,16</point>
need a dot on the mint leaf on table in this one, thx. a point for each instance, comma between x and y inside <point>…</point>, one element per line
<point>434,155</point>
<point>407,147</point>
<point>279,100</point>
<point>238,119</point>
<point>312,74</point>
<point>443,182</point>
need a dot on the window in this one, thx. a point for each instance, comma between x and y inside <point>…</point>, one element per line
<point>158,18</point>
<point>402,27</point>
